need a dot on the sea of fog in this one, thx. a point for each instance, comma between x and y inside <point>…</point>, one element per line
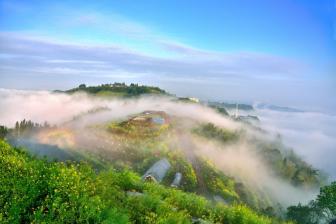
<point>312,135</point>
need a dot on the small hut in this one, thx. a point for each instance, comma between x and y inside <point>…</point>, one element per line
<point>158,171</point>
<point>177,180</point>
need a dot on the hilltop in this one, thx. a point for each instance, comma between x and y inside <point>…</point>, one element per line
<point>117,90</point>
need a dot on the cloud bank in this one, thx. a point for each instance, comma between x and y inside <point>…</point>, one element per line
<point>58,108</point>
<point>311,134</point>
<point>239,159</point>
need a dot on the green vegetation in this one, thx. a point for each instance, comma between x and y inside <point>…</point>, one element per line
<point>117,90</point>
<point>3,131</point>
<point>145,145</point>
<point>210,131</point>
<point>135,129</point>
<point>179,164</point>
<point>322,208</point>
<point>107,187</point>
<point>326,201</point>
<point>217,183</point>
<point>283,162</point>
<point>220,110</point>
<point>187,100</point>
<point>289,166</point>
<point>25,128</point>
<point>37,191</point>
<point>231,191</point>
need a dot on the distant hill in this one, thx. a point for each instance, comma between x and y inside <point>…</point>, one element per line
<point>117,90</point>
<point>277,108</point>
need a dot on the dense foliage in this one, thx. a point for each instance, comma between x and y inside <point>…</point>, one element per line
<point>23,128</point>
<point>291,167</point>
<point>142,142</point>
<point>3,131</point>
<point>138,142</point>
<point>284,162</point>
<point>37,191</point>
<point>217,183</point>
<point>323,208</point>
<point>211,131</point>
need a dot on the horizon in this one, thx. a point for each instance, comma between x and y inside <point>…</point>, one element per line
<point>254,104</point>
<point>280,53</point>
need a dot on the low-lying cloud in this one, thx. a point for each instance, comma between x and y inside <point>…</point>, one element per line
<point>58,108</point>
<point>241,161</point>
<point>238,160</point>
<point>312,135</point>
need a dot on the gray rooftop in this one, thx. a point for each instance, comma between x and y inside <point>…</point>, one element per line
<point>158,171</point>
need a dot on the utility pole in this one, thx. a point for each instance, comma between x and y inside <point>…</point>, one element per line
<point>236,115</point>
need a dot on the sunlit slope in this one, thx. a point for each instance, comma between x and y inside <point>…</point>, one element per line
<point>34,190</point>
<point>217,163</point>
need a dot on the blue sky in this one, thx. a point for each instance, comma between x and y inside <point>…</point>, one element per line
<point>262,50</point>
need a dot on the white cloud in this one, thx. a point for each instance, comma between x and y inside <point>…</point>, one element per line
<point>311,134</point>
<point>25,53</point>
<point>42,63</point>
<point>238,159</point>
<point>113,23</point>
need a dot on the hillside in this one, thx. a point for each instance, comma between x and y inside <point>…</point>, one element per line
<point>34,190</point>
<point>149,160</point>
